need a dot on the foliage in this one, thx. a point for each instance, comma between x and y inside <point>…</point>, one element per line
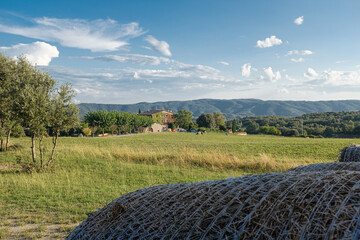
<point>270,130</point>
<point>86,131</point>
<point>328,124</point>
<point>113,120</point>
<point>7,79</point>
<point>157,118</point>
<point>212,120</point>
<point>206,120</point>
<point>32,102</point>
<point>184,119</point>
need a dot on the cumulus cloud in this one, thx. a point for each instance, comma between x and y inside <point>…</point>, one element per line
<point>341,78</point>
<point>246,70</point>
<point>297,60</point>
<point>270,75</point>
<point>96,35</point>
<point>299,20</point>
<point>132,58</point>
<point>224,63</point>
<point>159,46</point>
<point>311,73</point>
<point>268,42</point>
<point>297,52</point>
<point>39,53</point>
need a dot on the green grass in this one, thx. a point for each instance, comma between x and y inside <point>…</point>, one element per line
<point>90,172</point>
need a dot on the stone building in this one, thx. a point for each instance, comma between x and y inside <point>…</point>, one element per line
<point>166,118</point>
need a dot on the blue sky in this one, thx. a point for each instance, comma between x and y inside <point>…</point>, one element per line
<point>133,51</point>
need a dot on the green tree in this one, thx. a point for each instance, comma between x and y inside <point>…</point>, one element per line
<point>7,79</point>
<point>233,125</point>
<point>206,120</point>
<point>252,127</point>
<point>63,114</point>
<point>105,119</point>
<point>219,119</point>
<point>32,102</point>
<point>122,121</point>
<point>183,119</point>
<point>91,118</point>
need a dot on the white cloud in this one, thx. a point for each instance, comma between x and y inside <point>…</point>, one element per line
<point>340,61</point>
<point>97,35</point>
<point>246,70</point>
<point>341,78</point>
<point>270,75</point>
<point>297,60</point>
<point>39,53</point>
<point>268,42</point>
<point>297,52</point>
<point>159,46</point>
<point>283,90</point>
<point>133,58</point>
<point>289,78</point>
<point>224,63</point>
<point>299,20</point>
<point>311,74</point>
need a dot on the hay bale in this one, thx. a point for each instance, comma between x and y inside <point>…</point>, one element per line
<point>332,166</point>
<point>291,205</point>
<point>350,154</point>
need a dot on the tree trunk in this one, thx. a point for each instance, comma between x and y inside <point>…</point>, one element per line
<point>8,140</point>
<point>2,139</point>
<point>41,152</point>
<point>33,151</point>
<point>53,150</point>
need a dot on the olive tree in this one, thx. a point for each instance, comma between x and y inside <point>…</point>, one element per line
<point>7,120</point>
<point>32,102</point>
<point>63,114</point>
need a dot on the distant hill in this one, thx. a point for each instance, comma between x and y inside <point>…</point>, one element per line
<point>234,108</point>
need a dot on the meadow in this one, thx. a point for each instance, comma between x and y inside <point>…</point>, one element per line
<point>90,172</point>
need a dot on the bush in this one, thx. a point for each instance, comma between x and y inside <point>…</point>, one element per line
<point>86,131</point>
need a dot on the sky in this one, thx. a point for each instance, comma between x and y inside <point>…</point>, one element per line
<point>122,52</point>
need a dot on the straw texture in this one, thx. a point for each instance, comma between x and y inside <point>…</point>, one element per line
<point>350,154</point>
<point>291,205</point>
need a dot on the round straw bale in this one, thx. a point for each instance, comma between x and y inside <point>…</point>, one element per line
<point>350,154</point>
<point>291,205</point>
<point>332,166</point>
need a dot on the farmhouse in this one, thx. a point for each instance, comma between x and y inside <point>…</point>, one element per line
<point>166,118</point>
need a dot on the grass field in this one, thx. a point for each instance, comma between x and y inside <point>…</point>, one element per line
<point>90,172</point>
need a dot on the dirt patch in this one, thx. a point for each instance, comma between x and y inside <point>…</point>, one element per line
<point>13,230</point>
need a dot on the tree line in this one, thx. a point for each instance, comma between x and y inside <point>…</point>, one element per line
<point>327,124</point>
<point>123,122</point>
<point>32,100</point>
<point>115,121</point>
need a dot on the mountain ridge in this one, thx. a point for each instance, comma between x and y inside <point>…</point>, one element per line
<point>233,108</point>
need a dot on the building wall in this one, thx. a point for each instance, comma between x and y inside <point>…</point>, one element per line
<point>167,117</point>
<point>156,127</point>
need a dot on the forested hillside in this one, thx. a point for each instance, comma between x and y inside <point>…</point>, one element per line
<point>329,124</point>
<point>234,108</point>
